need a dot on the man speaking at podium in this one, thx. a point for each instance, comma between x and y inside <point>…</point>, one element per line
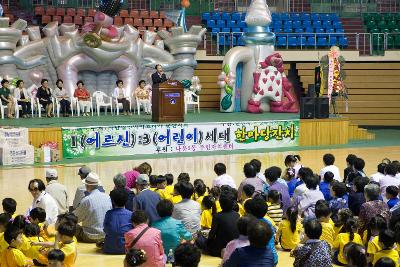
<point>159,76</point>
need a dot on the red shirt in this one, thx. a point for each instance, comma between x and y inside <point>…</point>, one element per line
<point>82,94</point>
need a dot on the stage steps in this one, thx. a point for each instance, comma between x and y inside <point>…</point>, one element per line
<point>357,133</point>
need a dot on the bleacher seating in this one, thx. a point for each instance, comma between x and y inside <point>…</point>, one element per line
<point>143,20</point>
<point>293,30</point>
<point>381,24</point>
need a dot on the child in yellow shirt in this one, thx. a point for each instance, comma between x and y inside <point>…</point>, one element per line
<point>9,206</point>
<point>386,242</point>
<point>323,213</point>
<point>176,197</point>
<point>355,255</point>
<point>161,183</point>
<point>288,234</point>
<point>11,256</point>
<point>65,242</point>
<point>247,193</point>
<point>371,236</point>
<point>32,231</point>
<point>200,190</point>
<point>4,220</point>
<point>56,258</point>
<point>38,216</point>
<point>349,235</point>
<point>209,209</point>
<point>169,189</point>
<point>153,182</point>
<point>343,216</point>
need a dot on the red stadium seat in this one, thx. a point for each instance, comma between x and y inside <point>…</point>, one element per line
<point>60,11</point>
<point>78,20</point>
<point>80,12</point>
<point>148,22</point>
<point>87,20</point>
<point>71,12</point>
<point>39,11</point>
<point>162,15</point>
<point>128,21</point>
<point>144,14</point>
<point>118,21</point>
<point>58,19</point>
<point>46,19</point>
<point>141,28</point>
<point>68,19</point>
<point>151,29</point>
<point>91,12</point>
<point>168,23</point>
<point>161,28</point>
<point>50,11</point>
<point>158,23</point>
<point>134,14</point>
<point>124,13</point>
<point>138,23</point>
<point>154,14</point>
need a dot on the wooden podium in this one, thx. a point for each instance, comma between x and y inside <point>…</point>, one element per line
<point>168,102</point>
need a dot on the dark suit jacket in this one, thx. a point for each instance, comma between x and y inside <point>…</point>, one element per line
<point>156,78</point>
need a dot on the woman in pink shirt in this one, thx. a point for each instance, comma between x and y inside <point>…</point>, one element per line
<point>131,176</point>
<point>145,238</point>
<point>240,242</point>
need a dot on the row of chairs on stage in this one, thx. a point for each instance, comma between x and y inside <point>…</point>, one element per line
<point>101,100</point>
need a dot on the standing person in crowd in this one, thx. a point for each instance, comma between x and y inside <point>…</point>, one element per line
<point>188,211</point>
<point>122,96</point>
<point>120,183</point>
<point>314,252</point>
<point>376,177</point>
<point>222,178</point>
<point>257,253</point>
<point>92,211</point>
<point>223,228</point>
<point>146,199</point>
<point>42,199</point>
<point>44,95</point>
<point>7,99</point>
<point>132,175</point>
<point>187,255</point>
<point>57,191</point>
<point>356,197</point>
<point>143,95</point>
<point>272,175</point>
<point>172,230</point>
<point>390,178</point>
<point>23,99</point>
<point>350,165</point>
<point>372,207</point>
<point>329,160</point>
<point>142,236</point>
<point>117,222</point>
<point>251,178</point>
<point>158,76</point>
<point>83,96</point>
<point>293,161</point>
<point>325,184</point>
<point>63,97</point>
<point>81,192</point>
<point>242,241</point>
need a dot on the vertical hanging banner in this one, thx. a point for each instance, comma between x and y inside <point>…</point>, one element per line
<point>177,138</point>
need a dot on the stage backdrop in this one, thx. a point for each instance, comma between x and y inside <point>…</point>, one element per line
<point>177,138</point>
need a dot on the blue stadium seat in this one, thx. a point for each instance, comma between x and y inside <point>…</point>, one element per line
<point>215,16</point>
<point>241,42</point>
<point>277,24</point>
<point>235,29</point>
<point>299,30</point>
<point>297,24</point>
<point>221,23</point>
<point>276,16</point>
<point>330,30</point>
<point>322,42</point>
<point>295,16</point>
<point>278,30</point>
<point>221,41</point>
<point>324,16</point>
<point>301,41</point>
<point>326,23</point>
<point>287,23</point>
<point>314,16</point>
<point>309,29</point>
<point>343,42</point>
<point>211,24</point>
<point>317,23</point>
<point>235,16</point>
<point>226,16</point>
<point>292,41</point>
<point>243,16</point>
<point>307,23</point>
<point>285,16</point>
<point>337,25</point>
<point>333,41</point>
<point>311,41</point>
<point>305,16</point>
<point>215,31</point>
<point>288,30</point>
<point>339,31</point>
<point>206,16</point>
<point>334,17</point>
<point>226,29</point>
<point>231,24</point>
<point>241,24</point>
<point>281,41</point>
<point>319,30</point>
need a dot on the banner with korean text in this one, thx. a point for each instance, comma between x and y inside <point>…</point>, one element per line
<point>177,137</point>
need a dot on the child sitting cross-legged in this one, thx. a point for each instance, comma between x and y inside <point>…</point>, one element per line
<point>371,236</point>
<point>32,232</point>
<point>387,243</point>
<point>247,193</point>
<point>288,234</point>
<point>38,216</point>
<point>323,213</point>
<point>355,255</point>
<point>348,234</point>
<point>339,198</point>
<point>65,242</point>
<point>12,256</point>
<point>275,211</point>
<point>209,209</point>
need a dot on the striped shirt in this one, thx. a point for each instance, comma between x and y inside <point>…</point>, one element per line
<point>275,212</point>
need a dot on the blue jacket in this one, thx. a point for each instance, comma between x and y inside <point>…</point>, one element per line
<point>271,243</point>
<point>324,188</point>
<point>251,257</point>
<point>116,223</point>
<point>147,201</point>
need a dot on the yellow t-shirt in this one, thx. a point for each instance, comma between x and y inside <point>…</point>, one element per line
<point>70,252</point>
<point>271,221</point>
<point>331,222</point>
<point>162,193</point>
<point>206,219</point>
<point>389,253</point>
<point>3,243</point>
<point>169,191</point>
<point>341,240</point>
<point>242,212</point>
<point>12,257</point>
<point>153,188</point>
<point>176,199</point>
<point>287,238</point>
<point>373,247</point>
<point>218,206</point>
<point>33,251</point>
<point>26,245</point>
<point>337,230</point>
<point>328,233</point>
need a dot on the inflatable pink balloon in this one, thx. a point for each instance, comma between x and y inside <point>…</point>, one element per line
<point>36,76</point>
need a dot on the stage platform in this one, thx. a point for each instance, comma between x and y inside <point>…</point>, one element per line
<point>313,132</point>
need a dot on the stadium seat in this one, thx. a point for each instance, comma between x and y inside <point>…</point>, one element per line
<point>71,12</point>
<point>295,16</point>
<point>137,22</point>
<point>231,23</point>
<point>297,24</point>
<point>205,16</point>
<point>158,23</point>
<point>148,23</point>
<point>276,17</point>
<point>215,16</point>
<point>343,42</point>
<point>333,41</point>
<point>236,16</point>
<point>236,30</point>
<point>168,23</point>
<point>322,42</point>
<point>215,31</point>
<point>39,11</point>
<point>242,24</point>
<point>211,24</point>
<point>317,24</point>
<point>123,13</point>
<point>307,24</point>
<point>144,14</point>
<point>311,42</point>
<point>80,12</point>
<point>301,41</point>
<point>314,16</point>
<point>87,20</point>
<point>78,20</point>
<point>299,30</point>
<point>68,19</point>
<point>225,16</point>
<point>319,30</point>
<point>60,11</point>
<point>292,41</point>
<point>128,21</point>
<point>226,29</point>
<point>285,16</point>
<point>331,30</point>
<point>324,16</point>
<point>305,16</point>
<point>162,15</point>
<point>134,14</point>
<point>46,19</point>
<point>154,14</point>
<point>118,21</point>
<point>281,41</point>
<point>50,11</point>
<point>220,23</point>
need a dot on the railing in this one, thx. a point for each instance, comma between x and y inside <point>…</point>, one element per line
<point>369,44</point>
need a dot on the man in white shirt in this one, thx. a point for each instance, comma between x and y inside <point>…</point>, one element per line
<point>42,199</point>
<point>223,178</point>
<point>388,179</point>
<point>188,211</point>
<point>57,191</point>
<point>329,160</point>
<point>380,174</point>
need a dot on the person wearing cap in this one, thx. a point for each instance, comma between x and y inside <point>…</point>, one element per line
<point>57,190</point>
<point>81,192</point>
<point>91,211</point>
<point>42,199</point>
<point>146,199</point>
